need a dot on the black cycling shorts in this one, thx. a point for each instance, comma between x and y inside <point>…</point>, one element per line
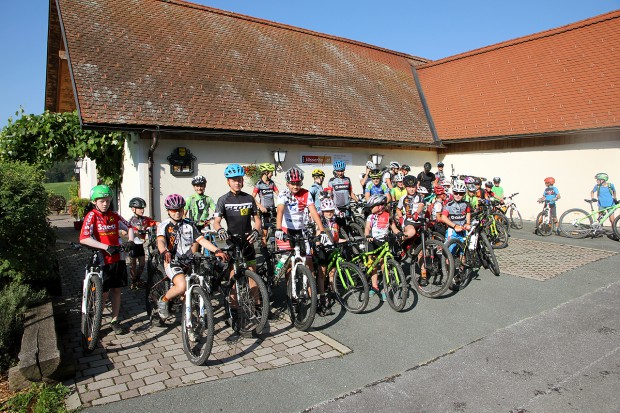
<point>114,275</point>
<point>137,251</point>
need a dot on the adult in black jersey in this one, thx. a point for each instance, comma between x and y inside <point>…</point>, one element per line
<point>426,178</point>
<point>239,209</point>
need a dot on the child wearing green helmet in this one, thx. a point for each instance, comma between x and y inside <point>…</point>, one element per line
<point>604,192</point>
<point>100,230</point>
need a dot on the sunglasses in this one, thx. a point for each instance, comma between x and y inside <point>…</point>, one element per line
<point>295,183</point>
<point>459,193</point>
<point>174,211</point>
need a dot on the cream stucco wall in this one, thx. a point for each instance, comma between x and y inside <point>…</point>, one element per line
<point>523,170</point>
<point>213,157</point>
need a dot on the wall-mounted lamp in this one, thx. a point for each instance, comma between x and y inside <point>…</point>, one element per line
<point>279,157</point>
<point>77,165</point>
<point>376,158</point>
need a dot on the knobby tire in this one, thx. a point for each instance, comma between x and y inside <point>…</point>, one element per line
<point>395,285</point>
<point>91,321</point>
<point>198,342</point>
<point>253,306</point>
<point>302,308</point>
<point>351,288</point>
<point>438,263</point>
<point>575,223</point>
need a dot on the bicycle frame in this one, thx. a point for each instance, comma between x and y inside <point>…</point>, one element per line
<point>382,254</point>
<point>295,259</point>
<point>602,214</point>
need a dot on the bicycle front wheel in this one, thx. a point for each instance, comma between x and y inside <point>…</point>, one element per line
<point>302,298</point>
<point>515,217</point>
<point>501,219</point>
<point>197,330</point>
<point>486,250</point>
<point>575,223</point>
<point>432,268</point>
<point>91,320</point>
<point>498,236</point>
<point>395,285</point>
<point>253,302</point>
<point>615,226</point>
<point>351,287</point>
<point>543,225</point>
<point>462,274</point>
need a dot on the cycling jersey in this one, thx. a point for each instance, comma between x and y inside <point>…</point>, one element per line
<point>373,189</point>
<point>332,227</point>
<point>498,191</point>
<point>397,193</point>
<point>440,175</point>
<point>368,179</point>
<point>179,237</point>
<point>436,209</point>
<point>604,193</point>
<point>266,192</point>
<point>379,225</point>
<point>139,223</point>
<point>426,180</point>
<point>550,194</point>
<point>472,199</point>
<point>295,206</point>
<point>387,175</point>
<point>104,228</point>
<point>238,210</point>
<point>315,193</point>
<point>457,211</point>
<point>408,204</point>
<point>341,189</point>
<point>199,207</point>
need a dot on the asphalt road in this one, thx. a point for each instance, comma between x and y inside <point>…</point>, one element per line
<point>504,344</point>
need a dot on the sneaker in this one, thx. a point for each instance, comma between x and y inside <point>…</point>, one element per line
<point>383,297</point>
<point>162,308</point>
<point>423,282</point>
<point>372,291</point>
<point>118,328</point>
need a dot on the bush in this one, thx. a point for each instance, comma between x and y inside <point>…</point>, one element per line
<point>41,398</point>
<point>14,300</point>
<point>26,238</point>
<point>77,207</point>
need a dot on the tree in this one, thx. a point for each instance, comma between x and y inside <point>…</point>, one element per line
<point>51,137</point>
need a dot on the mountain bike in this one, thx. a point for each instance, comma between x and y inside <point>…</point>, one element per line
<point>432,265</point>
<point>351,223</point>
<point>197,326</point>
<point>577,223</point>
<point>470,254</point>
<point>544,223</point>
<point>512,211</point>
<point>390,272</point>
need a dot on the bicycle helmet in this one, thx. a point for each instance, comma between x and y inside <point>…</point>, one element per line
<point>602,176</point>
<point>398,177</point>
<point>477,181</point>
<point>339,166</point>
<point>371,165</point>
<point>422,190</point>
<point>266,167</point>
<point>439,190</point>
<point>427,166</point>
<point>294,175</point>
<point>137,203</point>
<point>375,174</point>
<point>439,164</point>
<point>394,164</point>
<point>469,180</point>
<point>459,187</point>
<point>234,170</point>
<point>405,167</point>
<point>327,204</point>
<point>410,180</point>
<point>471,187</point>
<point>445,183</point>
<point>100,191</point>
<point>497,179</point>
<point>318,172</point>
<point>174,201</point>
<point>488,184</point>
<point>550,180</point>
<point>375,200</point>
<point>199,180</point>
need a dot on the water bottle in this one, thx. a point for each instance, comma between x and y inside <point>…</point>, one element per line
<point>472,241</point>
<point>280,265</point>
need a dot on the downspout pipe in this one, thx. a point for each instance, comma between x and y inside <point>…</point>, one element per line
<point>154,143</point>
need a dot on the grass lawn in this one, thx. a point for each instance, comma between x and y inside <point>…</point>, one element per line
<point>58,188</point>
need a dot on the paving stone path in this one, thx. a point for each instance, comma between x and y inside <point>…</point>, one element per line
<point>151,358</point>
<point>544,260</point>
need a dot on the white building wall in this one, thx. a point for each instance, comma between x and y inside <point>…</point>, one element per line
<point>524,170</point>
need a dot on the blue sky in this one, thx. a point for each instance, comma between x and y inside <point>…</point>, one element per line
<point>432,30</point>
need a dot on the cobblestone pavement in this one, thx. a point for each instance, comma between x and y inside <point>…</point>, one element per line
<point>151,358</point>
<point>541,261</point>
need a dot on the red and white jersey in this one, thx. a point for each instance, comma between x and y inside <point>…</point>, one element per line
<point>295,208</point>
<point>104,228</point>
<point>379,225</point>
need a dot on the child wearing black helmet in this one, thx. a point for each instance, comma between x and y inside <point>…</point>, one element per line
<point>140,224</point>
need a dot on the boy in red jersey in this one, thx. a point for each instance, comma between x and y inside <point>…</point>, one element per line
<point>101,230</point>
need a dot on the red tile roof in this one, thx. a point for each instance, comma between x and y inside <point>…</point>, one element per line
<point>181,65</point>
<point>565,79</point>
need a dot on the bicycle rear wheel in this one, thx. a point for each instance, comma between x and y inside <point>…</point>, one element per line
<point>501,219</point>
<point>395,285</point>
<point>462,274</point>
<point>302,300</point>
<point>197,329</point>
<point>154,291</point>
<point>351,287</point>
<point>486,250</point>
<point>515,217</point>
<point>575,223</point>
<point>253,304</point>
<point>434,261</point>
<point>91,320</point>
<point>543,225</point>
